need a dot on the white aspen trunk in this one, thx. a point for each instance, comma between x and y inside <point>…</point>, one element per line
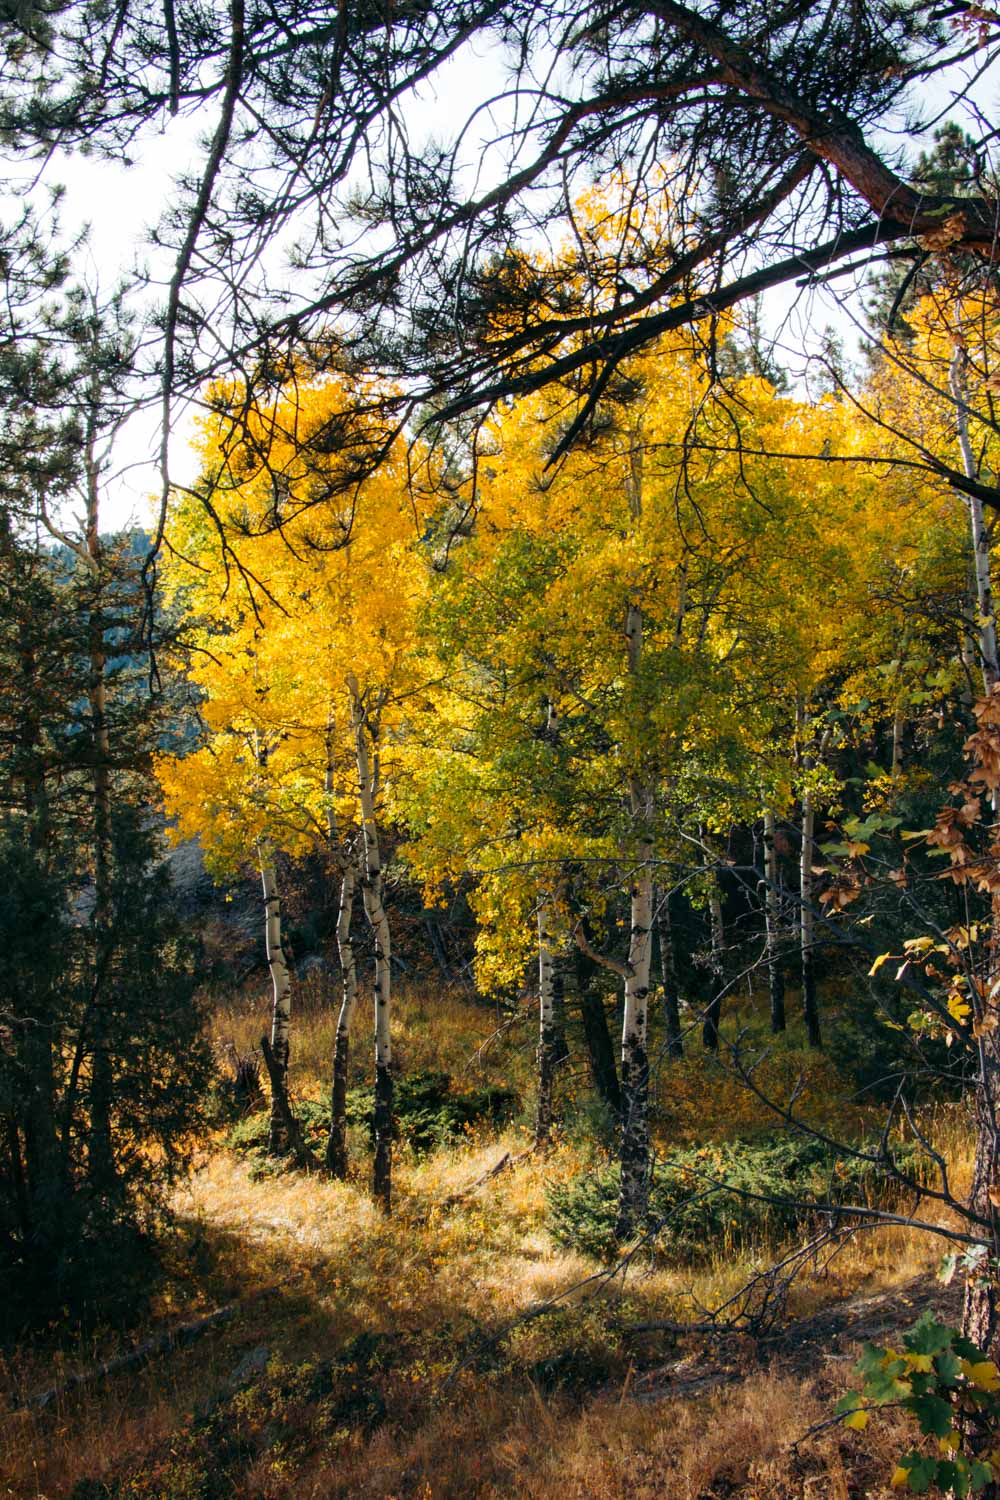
<point>634,1193</point>
<point>336,1142</point>
<point>807,934</point>
<point>986,629</point>
<point>336,1145</point>
<point>668,974</point>
<point>713,1010</point>
<point>371,891</point>
<point>281,1001</point>
<point>546,1022</point>
<point>772,921</point>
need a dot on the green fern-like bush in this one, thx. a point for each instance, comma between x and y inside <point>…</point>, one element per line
<point>427,1109</point>
<point>715,1197</point>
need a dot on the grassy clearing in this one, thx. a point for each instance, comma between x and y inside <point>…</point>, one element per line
<point>396,1363</point>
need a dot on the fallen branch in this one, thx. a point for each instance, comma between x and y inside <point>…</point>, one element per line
<point>173,1338</point>
<point>162,1343</point>
<point>506,1163</point>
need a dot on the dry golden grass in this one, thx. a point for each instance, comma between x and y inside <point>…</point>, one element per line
<point>468,1410</point>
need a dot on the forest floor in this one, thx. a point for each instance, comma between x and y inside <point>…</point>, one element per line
<point>454,1350</point>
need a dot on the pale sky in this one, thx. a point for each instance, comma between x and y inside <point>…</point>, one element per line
<point>121,204</point>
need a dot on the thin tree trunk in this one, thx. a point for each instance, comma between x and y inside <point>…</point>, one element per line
<point>100,1149</point>
<point>372,895</point>
<point>713,1010</point>
<point>981,1310</point>
<point>898,730</point>
<point>986,622</point>
<point>336,1142</point>
<point>772,920</point>
<point>634,1194</point>
<point>336,1145</point>
<point>41,1187</point>
<point>810,1007</point>
<point>281,1003</point>
<point>668,975</point>
<point>546,1023</point>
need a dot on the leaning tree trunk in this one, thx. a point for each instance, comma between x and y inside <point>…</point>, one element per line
<point>336,1145</point>
<point>372,896</point>
<point>547,1032</point>
<point>281,1003</point>
<point>668,976</point>
<point>772,922</point>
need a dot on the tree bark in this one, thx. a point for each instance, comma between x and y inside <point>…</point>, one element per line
<point>634,1193</point>
<point>772,920</point>
<point>713,1010</point>
<point>281,1003</point>
<point>810,1006</point>
<point>336,1145</point>
<point>981,1309</point>
<point>668,975</point>
<point>546,1023</point>
<point>986,630</point>
<point>372,896</point>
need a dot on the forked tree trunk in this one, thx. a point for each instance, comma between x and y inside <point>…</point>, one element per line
<point>336,1145</point>
<point>281,1003</point>
<point>546,1023</point>
<point>372,896</point>
<point>668,975</point>
<point>772,921</point>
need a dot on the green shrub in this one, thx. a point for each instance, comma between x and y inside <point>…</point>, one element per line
<point>722,1195</point>
<point>427,1111</point>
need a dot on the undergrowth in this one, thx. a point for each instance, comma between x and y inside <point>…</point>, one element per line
<point>726,1195</point>
<point>428,1110</point>
<point>460,1349</point>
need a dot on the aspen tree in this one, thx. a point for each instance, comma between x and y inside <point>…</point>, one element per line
<point>772,918</point>
<point>365,725</point>
<point>305,633</point>
<point>343,855</point>
<point>281,1004</point>
<point>546,1020</point>
<point>668,973</point>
